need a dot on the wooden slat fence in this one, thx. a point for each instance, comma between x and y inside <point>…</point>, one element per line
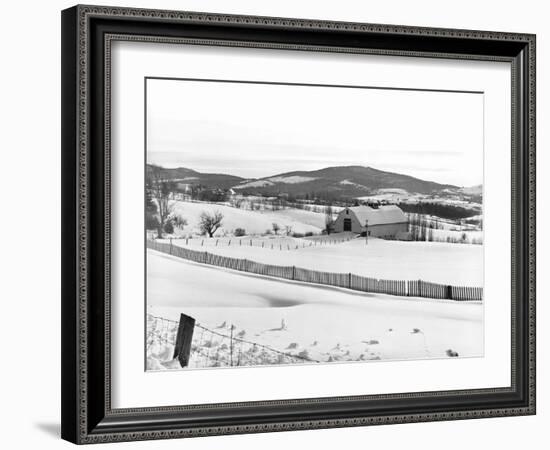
<point>411,288</point>
<point>465,293</point>
<point>366,284</point>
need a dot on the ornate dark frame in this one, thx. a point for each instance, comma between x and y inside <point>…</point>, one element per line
<point>87,416</point>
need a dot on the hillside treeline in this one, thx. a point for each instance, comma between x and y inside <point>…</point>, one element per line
<point>445,211</point>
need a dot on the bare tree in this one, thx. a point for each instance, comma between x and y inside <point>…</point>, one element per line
<point>423,230</point>
<point>151,214</point>
<point>178,221</point>
<point>288,230</point>
<point>329,220</point>
<point>210,222</point>
<point>237,202</point>
<point>161,191</point>
<point>275,227</point>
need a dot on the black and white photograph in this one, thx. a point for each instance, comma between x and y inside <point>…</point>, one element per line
<point>281,222</point>
<point>291,223</point>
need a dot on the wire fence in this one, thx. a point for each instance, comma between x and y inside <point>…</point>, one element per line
<point>281,242</point>
<point>404,288</point>
<point>220,347</point>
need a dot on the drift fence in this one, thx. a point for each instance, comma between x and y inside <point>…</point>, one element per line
<point>195,345</point>
<point>404,288</point>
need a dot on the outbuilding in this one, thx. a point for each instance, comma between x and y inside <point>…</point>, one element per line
<point>385,221</point>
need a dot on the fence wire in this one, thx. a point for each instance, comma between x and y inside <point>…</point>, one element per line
<point>220,347</point>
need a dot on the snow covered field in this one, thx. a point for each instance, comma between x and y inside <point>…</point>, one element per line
<point>324,323</point>
<point>438,262</point>
<point>301,221</point>
<point>254,222</point>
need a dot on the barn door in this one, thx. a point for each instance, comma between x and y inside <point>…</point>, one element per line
<point>347,224</point>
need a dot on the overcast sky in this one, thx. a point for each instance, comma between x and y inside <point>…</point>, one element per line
<point>256,130</point>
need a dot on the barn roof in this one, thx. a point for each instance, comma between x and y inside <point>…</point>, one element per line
<point>379,216</point>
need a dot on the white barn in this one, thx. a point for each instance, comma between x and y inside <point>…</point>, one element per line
<point>384,221</point>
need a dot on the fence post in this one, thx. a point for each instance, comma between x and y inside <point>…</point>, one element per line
<point>182,350</point>
<point>448,293</point>
<point>231,347</point>
<point>293,272</point>
<point>349,281</point>
<point>170,245</point>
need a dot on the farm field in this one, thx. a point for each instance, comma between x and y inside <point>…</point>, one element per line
<point>438,262</point>
<point>324,323</point>
<point>254,222</point>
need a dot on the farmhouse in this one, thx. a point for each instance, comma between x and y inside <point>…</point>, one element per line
<point>384,222</point>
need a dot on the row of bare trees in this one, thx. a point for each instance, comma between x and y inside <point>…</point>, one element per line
<point>276,228</point>
<point>419,228</point>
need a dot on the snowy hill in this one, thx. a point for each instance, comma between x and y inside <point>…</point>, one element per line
<point>350,181</point>
<point>254,222</point>
<point>340,181</point>
<point>473,190</point>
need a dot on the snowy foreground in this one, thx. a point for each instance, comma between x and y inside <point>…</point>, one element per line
<point>319,323</point>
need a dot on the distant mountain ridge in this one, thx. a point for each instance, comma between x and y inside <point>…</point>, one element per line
<point>190,176</point>
<point>348,181</point>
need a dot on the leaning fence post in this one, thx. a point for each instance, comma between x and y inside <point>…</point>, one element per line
<point>182,350</point>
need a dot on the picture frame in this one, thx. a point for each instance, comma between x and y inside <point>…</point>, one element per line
<point>88,33</point>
